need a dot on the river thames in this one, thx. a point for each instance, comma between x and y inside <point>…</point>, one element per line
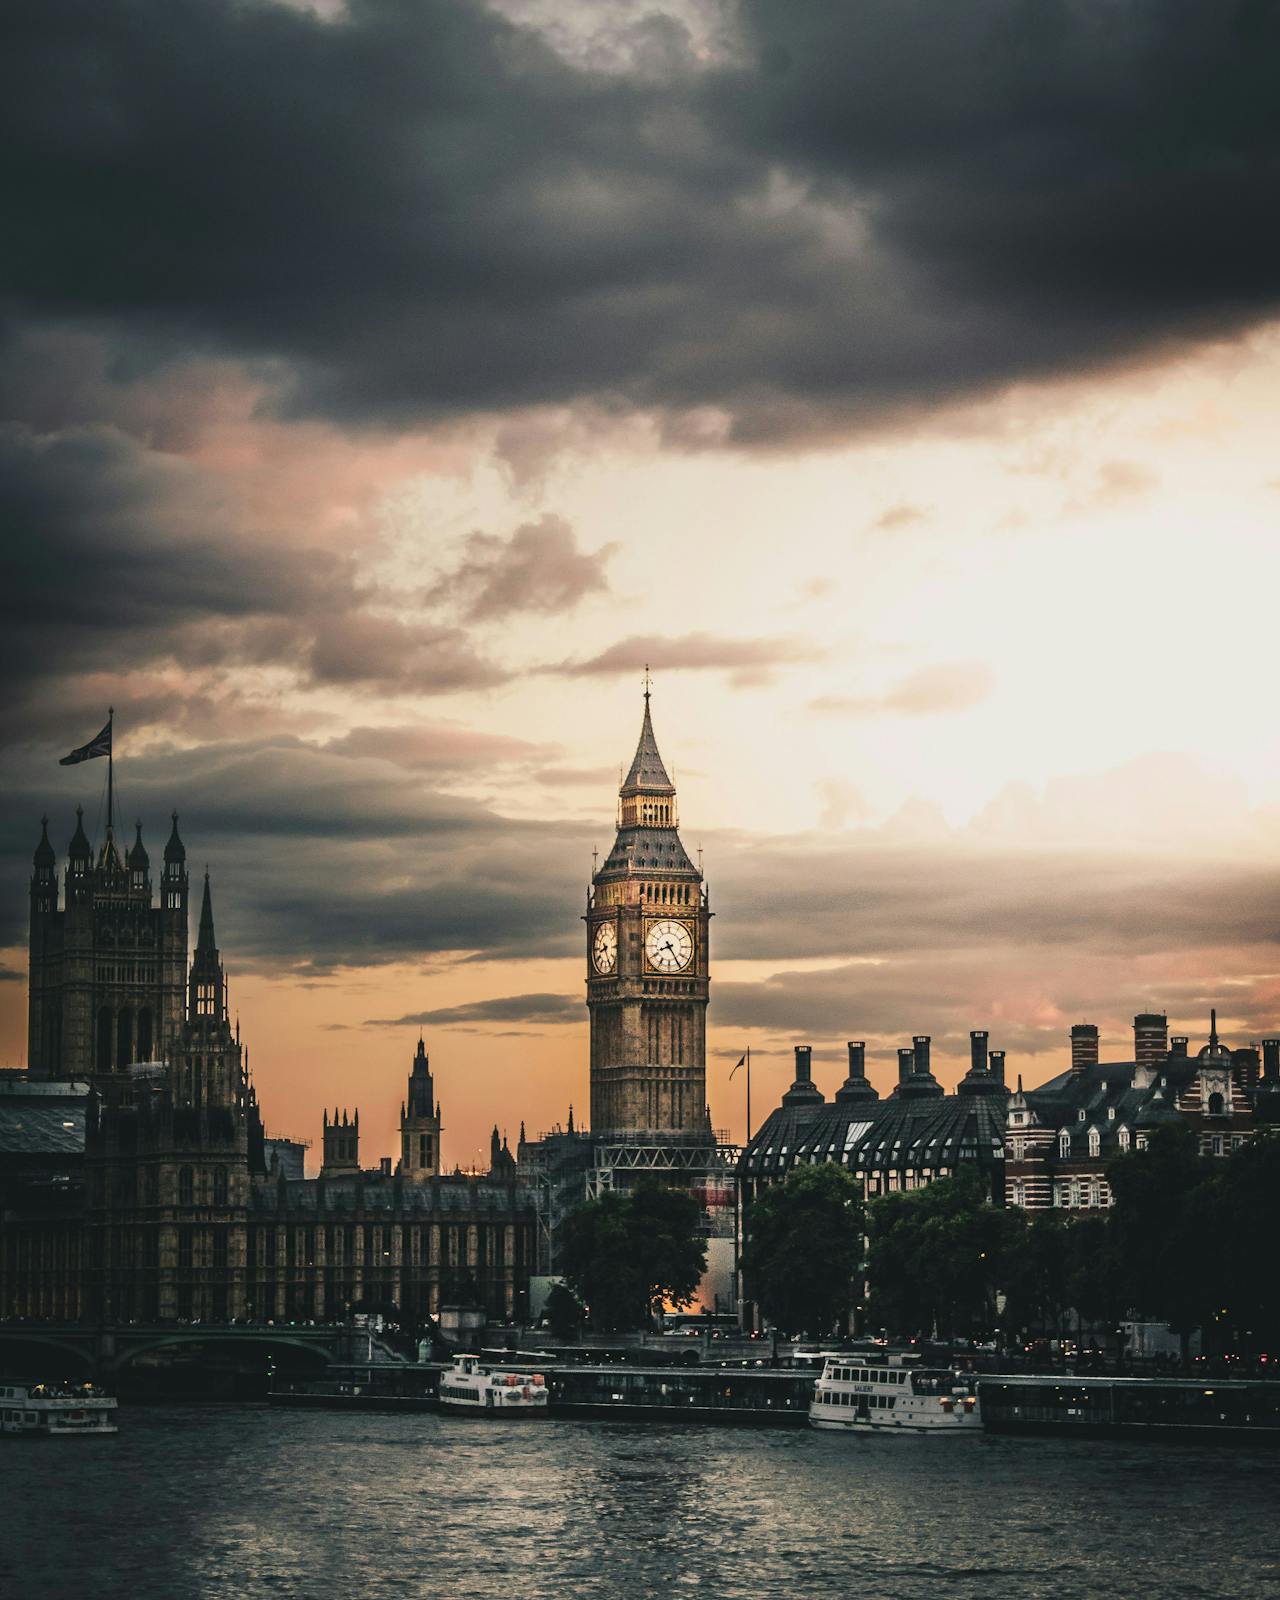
<point>217,1502</point>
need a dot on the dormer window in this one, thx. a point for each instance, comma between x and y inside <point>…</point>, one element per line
<point>1111,1113</point>
<point>1124,1138</point>
<point>1080,1114</point>
<point>1064,1144</point>
<point>1095,1143</point>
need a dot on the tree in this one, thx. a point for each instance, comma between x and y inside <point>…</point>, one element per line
<point>563,1312</point>
<point>939,1256</point>
<point>804,1249</point>
<point>625,1255</point>
<point>1165,1248</point>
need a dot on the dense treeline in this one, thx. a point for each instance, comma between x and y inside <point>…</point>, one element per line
<point>1187,1242</point>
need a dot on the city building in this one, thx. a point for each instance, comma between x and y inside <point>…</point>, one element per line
<point>648,973</point>
<point>1062,1134</point>
<point>915,1135</point>
<point>136,1178</point>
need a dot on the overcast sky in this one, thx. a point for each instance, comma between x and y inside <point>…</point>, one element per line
<point>383,384</point>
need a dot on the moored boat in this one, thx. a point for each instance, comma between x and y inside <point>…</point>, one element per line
<point>480,1387</point>
<point>50,1411</point>
<point>855,1396</point>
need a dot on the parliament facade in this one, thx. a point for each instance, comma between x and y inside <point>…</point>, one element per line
<point>137,1183</point>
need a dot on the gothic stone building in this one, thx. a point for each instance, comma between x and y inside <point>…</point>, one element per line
<point>1062,1135</point>
<point>135,1182</point>
<point>648,974</point>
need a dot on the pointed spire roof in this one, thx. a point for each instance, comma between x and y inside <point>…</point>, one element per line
<point>206,940</point>
<point>175,850</point>
<point>79,845</point>
<point>44,856</point>
<point>647,774</point>
<point>138,858</point>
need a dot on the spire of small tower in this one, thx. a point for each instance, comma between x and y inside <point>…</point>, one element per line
<point>647,775</point>
<point>138,860</point>
<point>175,851</point>
<point>1213,1028</point>
<point>44,856</point>
<point>208,997</point>
<point>571,1117</point>
<point>79,849</point>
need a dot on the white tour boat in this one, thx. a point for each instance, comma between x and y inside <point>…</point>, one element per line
<point>48,1411</point>
<point>484,1388</point>
<point>851,1394</point>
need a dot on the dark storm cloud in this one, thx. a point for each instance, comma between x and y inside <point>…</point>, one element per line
<point>539,568</point>
<point>120,559</point>
<point>322,860</point>
<point>545,1009</point>
<point>421,207</point>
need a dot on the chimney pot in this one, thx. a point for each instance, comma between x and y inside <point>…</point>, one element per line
<point>804,1063</point>
<point>996,1059</point>
<point>978,1049</point>
<point>923,1045</point>
<point>906,1063</point>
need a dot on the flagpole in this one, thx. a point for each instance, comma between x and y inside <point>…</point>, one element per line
<point>748,1094</point>
<point>111,711</point>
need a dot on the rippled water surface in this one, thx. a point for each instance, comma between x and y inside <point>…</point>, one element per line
<point>243,1501</point>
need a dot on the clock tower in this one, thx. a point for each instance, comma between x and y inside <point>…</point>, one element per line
<point>647,965</point>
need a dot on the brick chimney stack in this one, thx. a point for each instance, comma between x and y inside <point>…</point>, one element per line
<point>1150,1039</point>
<point>1084,1048</point>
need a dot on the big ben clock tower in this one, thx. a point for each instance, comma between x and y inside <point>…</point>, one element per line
<point>647,965</point>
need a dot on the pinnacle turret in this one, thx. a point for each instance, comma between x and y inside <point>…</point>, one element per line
<point>647,774</point>
<point>44,856</point>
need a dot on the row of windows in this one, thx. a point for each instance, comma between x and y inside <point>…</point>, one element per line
<point>877,1402</point>
<point>867,1375</point>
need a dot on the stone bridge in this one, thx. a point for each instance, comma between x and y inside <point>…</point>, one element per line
<point>105,1351</point>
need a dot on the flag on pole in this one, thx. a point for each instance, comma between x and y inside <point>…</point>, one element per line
<point>741,1063</point>
<point>97,746</point>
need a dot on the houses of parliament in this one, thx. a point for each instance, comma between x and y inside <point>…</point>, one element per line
<point>137,1181</point>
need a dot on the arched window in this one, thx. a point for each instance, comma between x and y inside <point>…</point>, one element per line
<point>145,1040</point>
<point>219,1186</point>
<point>1216,1105</point>
<point>185,1185</point>
<point>1095,1143</point>
<point>124,1039</point>
<point>1124,1138</point>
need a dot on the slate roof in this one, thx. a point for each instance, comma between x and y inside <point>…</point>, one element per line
<point>32,1128</point>
<point>1106,1088</point>
<point>647,771</point>
<point>880,1135</point>
<point>648,850</point>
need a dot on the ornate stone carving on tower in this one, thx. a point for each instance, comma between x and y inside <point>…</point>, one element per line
<point>420,1123</point>
<point>648,964</point>
<point>109,970</point>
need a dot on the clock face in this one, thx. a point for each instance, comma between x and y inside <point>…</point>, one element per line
<point>669,946</point>
<point>604,947</point>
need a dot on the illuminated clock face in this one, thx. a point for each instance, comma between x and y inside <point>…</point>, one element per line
<point>604,947</point>
<point>669,946</point>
